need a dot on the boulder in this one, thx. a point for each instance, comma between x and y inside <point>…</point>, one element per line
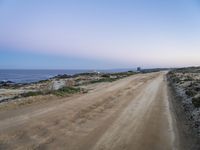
<point>56,85</point>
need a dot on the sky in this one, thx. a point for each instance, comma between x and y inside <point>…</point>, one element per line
<point>99,34</point>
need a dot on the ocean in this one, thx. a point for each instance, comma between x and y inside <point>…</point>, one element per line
<point>28,76</point>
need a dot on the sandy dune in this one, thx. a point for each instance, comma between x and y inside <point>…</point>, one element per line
<point>129,114</point>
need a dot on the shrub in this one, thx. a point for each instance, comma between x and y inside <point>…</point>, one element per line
<point>106,75</point>
<point>196,101</point>
<point>31,93</point>
<point>190,93</point>
<point>66,90</point>
<point>103,80</point>
<point>176,80</point>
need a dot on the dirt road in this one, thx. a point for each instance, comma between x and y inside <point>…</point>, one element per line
<point>129,114</point>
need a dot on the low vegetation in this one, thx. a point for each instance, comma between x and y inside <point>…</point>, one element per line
<point>185,83</point>
<point>187,80</point>
<point>110,77</point>
<point>196,101</point>
<point>31,93</point>
<point>103,80</point>
<point>60,85</point>
<point>66,91</point>
<point>60,92</point>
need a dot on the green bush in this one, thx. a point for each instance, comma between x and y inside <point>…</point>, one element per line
<point>66,90</point>
<point>60,92</point>
<point>103,80</point>
<point>31,93</point>
<point>106,75</point>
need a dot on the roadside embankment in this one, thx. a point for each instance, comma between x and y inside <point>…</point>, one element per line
<point>184,90</point>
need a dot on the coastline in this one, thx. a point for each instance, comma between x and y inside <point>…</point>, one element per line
<point>58,85</point>
<point>35,75</point>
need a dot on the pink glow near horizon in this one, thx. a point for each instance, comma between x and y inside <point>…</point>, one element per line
<point>129,36</point>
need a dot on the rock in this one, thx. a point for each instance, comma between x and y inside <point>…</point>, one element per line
<point>70,83</point>
<point>56,85</point>
<point>197,124</point>
<point>6,83</point>
<point>64,76</point>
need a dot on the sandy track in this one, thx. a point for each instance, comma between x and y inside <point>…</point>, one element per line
<point>132,113</point>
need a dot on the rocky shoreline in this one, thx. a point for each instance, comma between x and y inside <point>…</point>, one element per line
<point>59,85</point>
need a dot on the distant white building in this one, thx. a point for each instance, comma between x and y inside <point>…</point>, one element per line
<point>95,71</point>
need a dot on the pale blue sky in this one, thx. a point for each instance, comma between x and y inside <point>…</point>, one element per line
<point>99,34</point>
